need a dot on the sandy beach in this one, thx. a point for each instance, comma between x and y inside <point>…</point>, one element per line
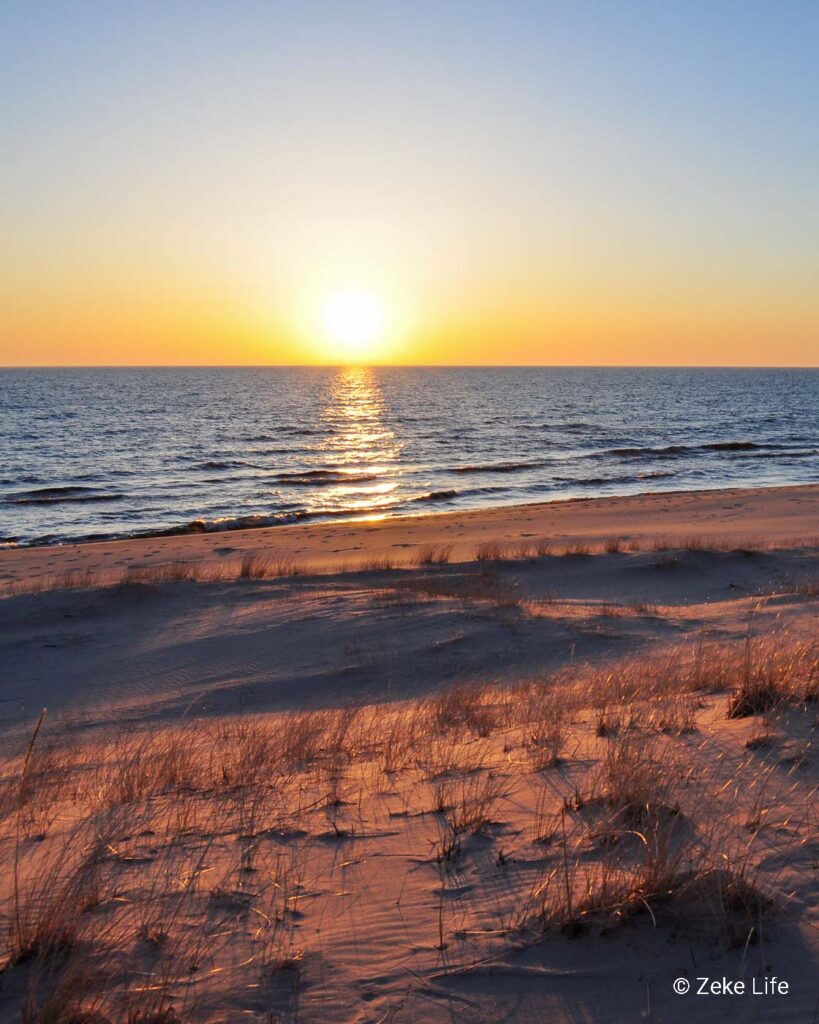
<point>763,516</point>
<point>522,764</point>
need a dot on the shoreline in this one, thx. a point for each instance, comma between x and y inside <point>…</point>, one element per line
<point>766,515</point>
<point>237,523</point>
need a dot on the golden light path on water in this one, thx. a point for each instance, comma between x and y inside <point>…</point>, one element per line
<point>359,444</point>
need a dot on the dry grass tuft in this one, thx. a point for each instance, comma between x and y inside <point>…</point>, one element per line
<point>170,572</point>
<point>492,551</point>
<point>771,674</point>
<point>434,554</point>
<point>258,567</point>
<point>577,549</point>
<point>546,715</point>
<point>254,567</point>
<point>378,563</point>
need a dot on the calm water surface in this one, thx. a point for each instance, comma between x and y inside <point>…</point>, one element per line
<point>112,452</point>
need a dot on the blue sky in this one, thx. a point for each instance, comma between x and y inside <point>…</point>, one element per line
<point>474,160</point>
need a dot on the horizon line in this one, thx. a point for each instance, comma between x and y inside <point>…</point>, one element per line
<point>408,366</point>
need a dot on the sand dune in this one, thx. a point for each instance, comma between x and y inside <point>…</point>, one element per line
<point>538,786</point>
<point>151,650</point>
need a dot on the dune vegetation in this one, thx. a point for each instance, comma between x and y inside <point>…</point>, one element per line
<point>240,867</point>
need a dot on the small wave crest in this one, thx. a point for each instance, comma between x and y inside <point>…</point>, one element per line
<point>324,477</point>
<point>620,478</point>
<point>496,467</point>
<point>436,496</point>
<point>223,464</point>
<point>58,495</point>
<point>262,520</point>
<point>670,450</point>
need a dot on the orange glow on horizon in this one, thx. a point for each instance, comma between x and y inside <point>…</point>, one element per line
<point>209,333</point>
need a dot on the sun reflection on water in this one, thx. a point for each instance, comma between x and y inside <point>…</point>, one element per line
<point>359,445</point>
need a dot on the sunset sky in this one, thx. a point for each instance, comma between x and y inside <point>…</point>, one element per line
<point>420,182</point>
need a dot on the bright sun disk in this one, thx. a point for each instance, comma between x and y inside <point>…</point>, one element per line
<point>354,321</point>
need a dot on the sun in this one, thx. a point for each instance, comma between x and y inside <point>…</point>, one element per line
<point>354,321</point>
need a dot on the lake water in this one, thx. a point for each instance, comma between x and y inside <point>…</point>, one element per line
<point>112,452</point>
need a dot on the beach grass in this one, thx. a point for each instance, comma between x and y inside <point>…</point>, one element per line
<point>132,855</point>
